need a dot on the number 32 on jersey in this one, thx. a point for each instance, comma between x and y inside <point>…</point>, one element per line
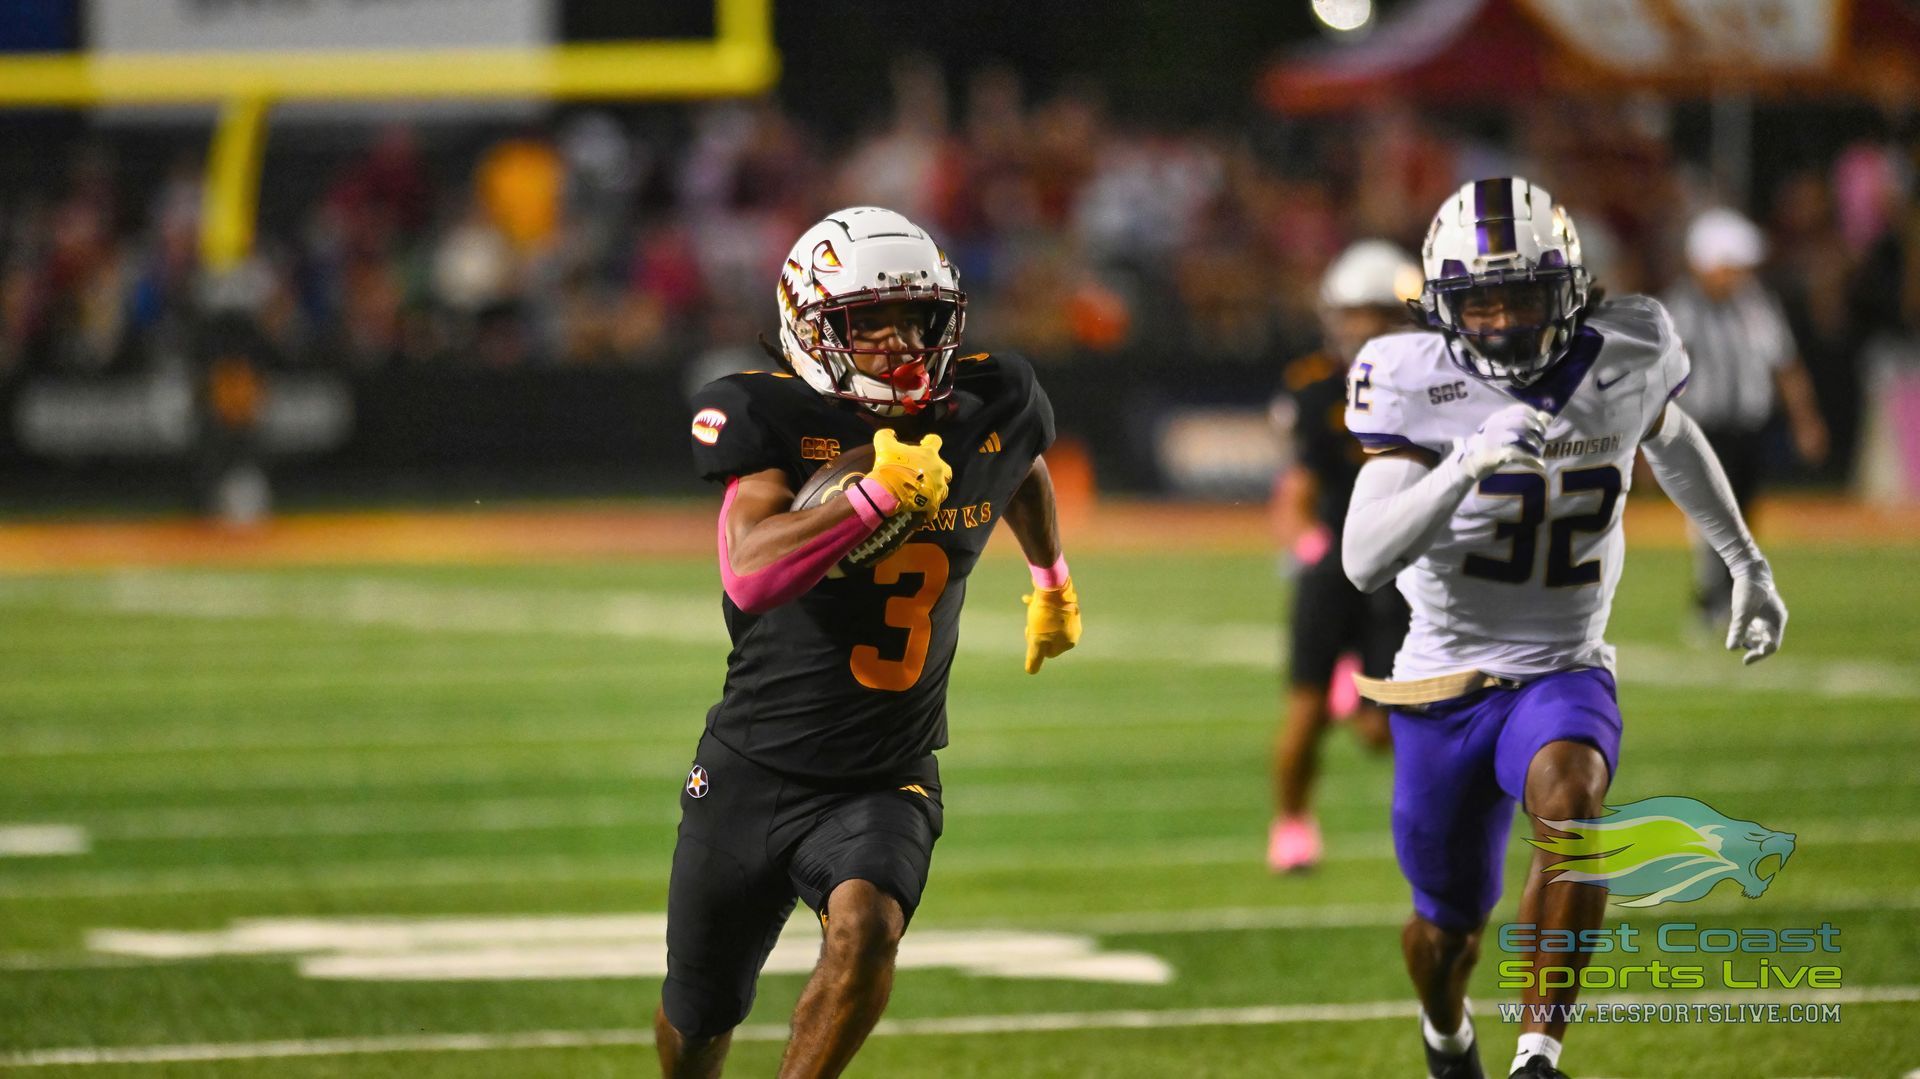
<point>1523,533</point>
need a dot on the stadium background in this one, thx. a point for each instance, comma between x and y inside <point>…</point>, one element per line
<point>359,573</point>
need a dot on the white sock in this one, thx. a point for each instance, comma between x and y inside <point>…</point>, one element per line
<point>1536,1045</point>
<point>1451,1044</point>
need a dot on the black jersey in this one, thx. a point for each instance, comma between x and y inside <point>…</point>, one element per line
<point>850,679</point>
<point>1317,385</point>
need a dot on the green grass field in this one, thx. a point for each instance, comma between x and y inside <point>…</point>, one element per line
<point>298,767</point>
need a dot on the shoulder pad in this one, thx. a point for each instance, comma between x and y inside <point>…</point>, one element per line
<point>1395,356</point>
<point>994,375</point>
<point>730,418</point>
<point>758,383</point>
<point>1006,381</point>
<point>1385,389</point>
<point>1640,334</point>
<point>978,364</point>
<point>1638,327</point>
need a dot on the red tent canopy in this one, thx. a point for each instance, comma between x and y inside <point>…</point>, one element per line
<point>1503,51</point>
<point>1455,51</point>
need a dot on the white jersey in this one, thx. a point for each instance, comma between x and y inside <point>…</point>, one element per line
<point>1521,581</point>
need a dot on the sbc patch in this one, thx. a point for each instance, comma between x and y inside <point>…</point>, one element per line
<point>707,424</point>
<point>697,784</point>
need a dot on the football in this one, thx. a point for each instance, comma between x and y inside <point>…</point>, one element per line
<point>831,481</point>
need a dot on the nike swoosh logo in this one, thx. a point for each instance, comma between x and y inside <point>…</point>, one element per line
<point>1599,385</point>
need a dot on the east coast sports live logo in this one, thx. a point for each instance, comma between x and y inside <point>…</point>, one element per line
<point>1659,851</point>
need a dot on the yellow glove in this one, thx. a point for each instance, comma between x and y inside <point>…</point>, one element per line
<point>1053,623</point>
<point>913,474</point>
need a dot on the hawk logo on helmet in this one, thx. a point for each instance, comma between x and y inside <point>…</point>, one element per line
<point>826,259</point>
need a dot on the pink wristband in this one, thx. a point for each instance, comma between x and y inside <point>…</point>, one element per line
<point>1049,576</point>
<point>872,502</point>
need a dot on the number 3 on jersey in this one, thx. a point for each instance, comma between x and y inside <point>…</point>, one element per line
<point>912,612</point>
<point>1523,533</point>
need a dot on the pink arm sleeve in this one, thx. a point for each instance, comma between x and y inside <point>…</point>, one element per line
<point>803,567</point>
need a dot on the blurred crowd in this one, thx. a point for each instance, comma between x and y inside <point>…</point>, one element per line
<point>612,236</point>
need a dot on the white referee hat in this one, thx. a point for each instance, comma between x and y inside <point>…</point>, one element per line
<point>1724,239</point>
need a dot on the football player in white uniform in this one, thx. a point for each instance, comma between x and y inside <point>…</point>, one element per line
<point>1501,447</point>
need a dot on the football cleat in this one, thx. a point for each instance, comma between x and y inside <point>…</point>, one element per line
<point>1537,1067</point>
<point>1451,1066</point>
<point>1293,844</point>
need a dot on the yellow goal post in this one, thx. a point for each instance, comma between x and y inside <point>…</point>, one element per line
<point>739,60</point>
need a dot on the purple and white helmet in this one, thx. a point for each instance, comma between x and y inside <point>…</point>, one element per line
<point>1504,241</point>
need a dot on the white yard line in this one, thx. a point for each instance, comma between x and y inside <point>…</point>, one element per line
<point>566,947</point>
<point>457,813</point>
<point>470,810</point>
<point>375,733</point>
<point>683,618</point>
<point>42,840</point>
<point>1109,923</point>
<point>1348,847</point>
<point>381,818</point>
<point>313,878</point>
<point>946,1026</point>
<point>567,761</point>
<point>1384,915</point>
<point>559,868</point>
<point>44,961</point>
<point>1859,758</point>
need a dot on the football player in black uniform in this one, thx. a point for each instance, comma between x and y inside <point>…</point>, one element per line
<point>1362,294</point>
<point>815,778</point>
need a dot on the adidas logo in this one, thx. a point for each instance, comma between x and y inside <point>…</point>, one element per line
<point>991,444</point>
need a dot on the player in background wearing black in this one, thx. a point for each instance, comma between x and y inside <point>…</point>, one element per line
<point>1362,294</point>
<point>815,778</point>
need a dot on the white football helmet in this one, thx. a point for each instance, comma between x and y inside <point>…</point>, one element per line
<point>1370,273</point>
<point>855,258</point>
<point>1505,243</point>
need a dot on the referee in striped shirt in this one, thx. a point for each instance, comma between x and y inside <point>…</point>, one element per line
<point>1745,364</point>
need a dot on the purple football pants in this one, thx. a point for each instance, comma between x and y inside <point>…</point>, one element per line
<point>1460,766</point>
